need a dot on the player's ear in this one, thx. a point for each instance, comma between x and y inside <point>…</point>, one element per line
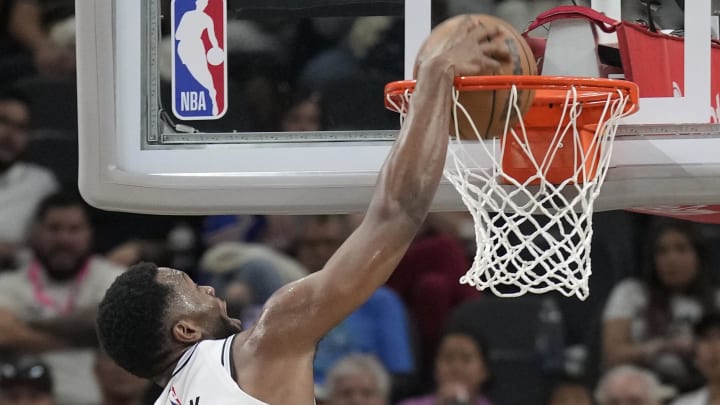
<point>186,331</point>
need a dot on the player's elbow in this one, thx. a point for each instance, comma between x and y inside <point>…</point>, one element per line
<point>410,211</point>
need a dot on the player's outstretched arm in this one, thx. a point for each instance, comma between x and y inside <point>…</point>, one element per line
<point>301,313</point>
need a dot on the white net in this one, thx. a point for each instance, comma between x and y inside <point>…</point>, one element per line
<point>533,234</point>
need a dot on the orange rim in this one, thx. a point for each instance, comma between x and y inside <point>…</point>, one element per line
<point>549,89</point>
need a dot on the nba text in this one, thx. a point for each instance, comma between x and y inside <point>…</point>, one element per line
<point>192,101</point>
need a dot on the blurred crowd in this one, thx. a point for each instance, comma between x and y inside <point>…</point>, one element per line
<point>649,334</point>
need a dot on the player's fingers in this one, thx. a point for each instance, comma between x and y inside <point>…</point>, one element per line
<point>496,50</point>
<point>467,26</point>
<point>487,66</point>
<point>487,33</point>
<point>493,31</point>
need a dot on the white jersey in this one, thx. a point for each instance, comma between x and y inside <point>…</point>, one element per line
<point>204,376</point>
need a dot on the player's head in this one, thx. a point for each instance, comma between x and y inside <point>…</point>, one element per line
<point>201,4</point>
<point>148,314</point>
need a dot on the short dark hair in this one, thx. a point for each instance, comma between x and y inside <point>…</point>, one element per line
<point>61,199</point>
<point>131,320</point>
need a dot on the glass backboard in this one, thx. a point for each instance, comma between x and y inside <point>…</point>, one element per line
<point>140,153</point>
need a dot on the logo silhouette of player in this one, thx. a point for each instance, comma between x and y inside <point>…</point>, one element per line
<point>191,48</point>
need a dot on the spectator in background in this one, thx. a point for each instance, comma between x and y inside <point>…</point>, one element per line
<point>136,251</point>
<point>22,185</point>
<point>275,231</point>
<point>650,321</point>
<point>235,260</point>
<point>569,391</point>
<point>461,371</point>
<point>318,238</point>
<point>630,385</point>
<point>379,327</point>
<point>48,307</point>
<point>25,382</point>
<point>246,275</point>
<point>117,386</point>
<point>372,47</point>
<point>14,63</point>
<point>44,28</point>
<point>427,281</point>
<point>707,358</point>
<point>303,112</point>
<point>358,380</point>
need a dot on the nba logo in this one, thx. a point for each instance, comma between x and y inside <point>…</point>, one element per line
<point>199,71</point>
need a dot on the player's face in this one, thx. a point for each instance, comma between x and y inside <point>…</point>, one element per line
<point>201,4</point>
<point>676,261</point>
<point>708,355</point>
<point>460,361</point>
<point>198,305</point>
<point>14,121</point>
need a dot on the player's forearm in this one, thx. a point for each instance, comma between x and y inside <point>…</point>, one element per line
<point>26,25</point>
<point>410,177</point>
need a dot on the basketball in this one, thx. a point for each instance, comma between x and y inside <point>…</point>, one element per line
<point>215,56</point>
<point>488,108</point>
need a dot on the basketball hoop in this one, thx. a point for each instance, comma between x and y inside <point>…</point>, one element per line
<point>531,192</point>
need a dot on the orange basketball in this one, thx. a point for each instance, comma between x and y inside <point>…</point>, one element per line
<point>488,108</point>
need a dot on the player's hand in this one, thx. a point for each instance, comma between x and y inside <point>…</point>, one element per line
<point>471,50</point>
